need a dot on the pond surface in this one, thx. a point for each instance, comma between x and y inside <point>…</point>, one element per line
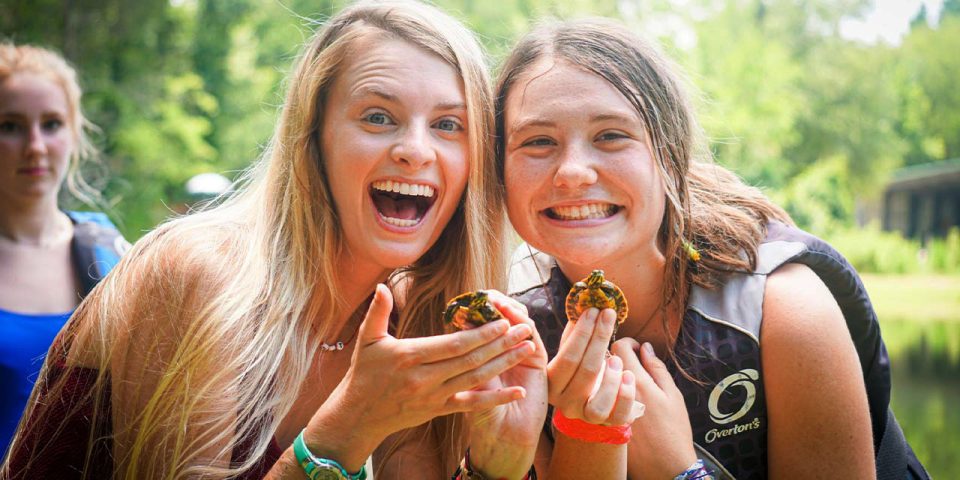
<point>925,356</point>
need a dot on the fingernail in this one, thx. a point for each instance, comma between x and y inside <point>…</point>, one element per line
<point>592,314</point>
<point>615,363</point>
<point>638,410</point>
<point>628,378</point>
<point>649,348</point>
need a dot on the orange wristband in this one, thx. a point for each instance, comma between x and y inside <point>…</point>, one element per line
<point>589,432</point>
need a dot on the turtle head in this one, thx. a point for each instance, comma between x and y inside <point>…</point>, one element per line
<point>479,300</point>
<point>595,279</point>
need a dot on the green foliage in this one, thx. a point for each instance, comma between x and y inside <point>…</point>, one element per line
<point>820,198</point>
<point>929,67</point>
<point>871,250</point>
<point>185,86</point>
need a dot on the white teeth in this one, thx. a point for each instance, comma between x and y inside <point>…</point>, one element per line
<point>404,188</point>
<point>583,212</point>
<point>399,222</point>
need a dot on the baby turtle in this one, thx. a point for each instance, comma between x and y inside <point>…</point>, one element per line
<point>595,292</point>
<point>469,310</point>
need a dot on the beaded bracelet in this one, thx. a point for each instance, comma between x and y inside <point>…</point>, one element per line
<point>315,466</point>
<point>695,472</point>
<point>590,432</point>
<point>466,472</point>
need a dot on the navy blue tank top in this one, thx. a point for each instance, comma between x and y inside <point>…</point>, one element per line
<point>719,347</point>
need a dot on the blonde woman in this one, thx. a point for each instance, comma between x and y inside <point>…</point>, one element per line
<point>257,339</point>
<point>49,258</point>
<point>752,344</point>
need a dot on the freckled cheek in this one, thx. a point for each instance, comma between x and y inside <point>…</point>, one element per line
<point>523,180</point>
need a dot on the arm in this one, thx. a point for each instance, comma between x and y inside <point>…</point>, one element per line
<point>816,400</point>
<point>573,376</point>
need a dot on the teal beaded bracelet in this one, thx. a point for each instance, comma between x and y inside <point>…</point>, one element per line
<point>318,468</point>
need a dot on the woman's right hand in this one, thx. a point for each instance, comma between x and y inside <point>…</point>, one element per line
<point>393,384</point>
<point>581,362</point>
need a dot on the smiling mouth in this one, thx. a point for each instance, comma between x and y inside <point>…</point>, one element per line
<point>589,211</point>
<point>402,204</point>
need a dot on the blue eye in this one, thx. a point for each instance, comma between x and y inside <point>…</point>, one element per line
<point>448,125</point>
<point>378,118</point>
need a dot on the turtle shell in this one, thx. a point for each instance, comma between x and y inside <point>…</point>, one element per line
<point>469,310</point>
<point>595,292</point>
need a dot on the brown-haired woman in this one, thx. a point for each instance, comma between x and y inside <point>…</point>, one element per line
<point>247,341</point>
<point>776,367</point>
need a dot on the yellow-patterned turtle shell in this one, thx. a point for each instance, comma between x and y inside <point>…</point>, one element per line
<point>469,310</point>
<point>595,292</point>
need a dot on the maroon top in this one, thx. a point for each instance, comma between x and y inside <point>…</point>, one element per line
<point>62,438</point>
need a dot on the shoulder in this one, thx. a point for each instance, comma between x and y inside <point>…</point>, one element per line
<point>806,344</point>
<point>798,308</point>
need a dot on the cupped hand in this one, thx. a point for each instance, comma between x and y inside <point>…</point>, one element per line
<point>584,382</point>
<point>662,441</point>
<point>393,384</point>
<point>503,439</point>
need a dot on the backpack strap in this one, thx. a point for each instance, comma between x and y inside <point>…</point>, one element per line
<point>96,247</point>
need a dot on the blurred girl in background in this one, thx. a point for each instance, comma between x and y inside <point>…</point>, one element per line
<point>49,258</point>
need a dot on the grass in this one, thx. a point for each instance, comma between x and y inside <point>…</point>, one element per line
<point>918,298</point>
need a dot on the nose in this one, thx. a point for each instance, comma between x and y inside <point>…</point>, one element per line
<point>414,148</point>
<point>36,146</point>
<point>575,168</point>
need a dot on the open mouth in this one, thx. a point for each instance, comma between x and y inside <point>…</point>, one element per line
<point>590,211</point>
<point>402,204</point>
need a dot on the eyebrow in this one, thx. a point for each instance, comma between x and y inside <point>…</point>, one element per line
<point>19,115</point>
<point>531,123</point>
<point>376,92</point>
<point>603,117</point>
<point>364,91</point>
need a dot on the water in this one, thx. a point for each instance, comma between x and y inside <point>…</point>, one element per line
<point>926,389</point>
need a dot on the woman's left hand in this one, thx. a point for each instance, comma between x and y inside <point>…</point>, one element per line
<point>503,440</point>
<point>662,441</point>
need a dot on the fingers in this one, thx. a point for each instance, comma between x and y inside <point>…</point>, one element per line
<point>452,345</point>
<point>650,371</point>
<point>501,301</point>
<point>601,404</point>
<point>473,400</point>
<point>516,313</point>
<point>573,344</point>
<point>595,353</point>
<point>626,409</point>
<point>377,321</point>
<point>656,368</point>
<point>488,369</point>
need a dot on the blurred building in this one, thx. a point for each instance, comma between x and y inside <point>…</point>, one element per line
<point>923,201</point>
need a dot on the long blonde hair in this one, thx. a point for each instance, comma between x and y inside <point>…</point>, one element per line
<point>706,204</point>
<point>229,296</point>
<point>31,59</point>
